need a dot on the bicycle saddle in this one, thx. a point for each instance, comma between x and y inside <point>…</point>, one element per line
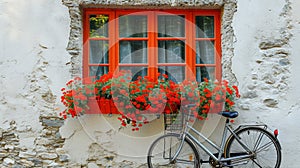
<point>229,114</point>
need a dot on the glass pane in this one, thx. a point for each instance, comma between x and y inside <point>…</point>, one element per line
<point>133,26</point>
<point>136,71</point>
<point>171,26</point>
<point>205,51</point>
<point>98,70</point>
<point>205,72</point>
<point>133,52</point>
<point>171,51</point>
<point>175,73</point>
<point>205,27</point>
<point>99,26</point>
<point>98,52</point>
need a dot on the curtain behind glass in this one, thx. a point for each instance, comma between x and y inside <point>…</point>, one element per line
<point>133,26</point>
<point>171,26</point>
<point>133,52</point>
<point>171,51</point>
<point>205,52</point>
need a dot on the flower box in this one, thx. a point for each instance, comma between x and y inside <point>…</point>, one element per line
<point>101,106</point>
<point>143,96</point>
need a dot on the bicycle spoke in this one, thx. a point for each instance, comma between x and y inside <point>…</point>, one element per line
<point>266,146</point>
<point>258,141</point>
<point>257,163</point>
<point>162,151</point>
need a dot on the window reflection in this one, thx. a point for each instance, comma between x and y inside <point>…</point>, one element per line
<point>98,25</point>
<point>205,27</point>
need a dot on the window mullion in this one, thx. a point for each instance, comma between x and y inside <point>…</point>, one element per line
<point>112,42</point>
<point>218,48</point>
<point>116,42</point>
<point>152,50</point>
<point>86,45</point>
<point>190,45</point>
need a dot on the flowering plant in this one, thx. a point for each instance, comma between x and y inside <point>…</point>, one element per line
<point>214,95</point>
<point>137,99</point>
<point>75,97</point>
<point>134,100</point>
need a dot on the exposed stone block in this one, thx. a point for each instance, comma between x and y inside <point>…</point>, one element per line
<point>3,155</point>
<point>19,166</point>
<point>284,62</point>
<point>60,151</point>
<point>42,141</point>
<point>36,161</point>
<point>270,102</point>
<point>48,156</point>
<point>276,43</point>
<point>64,158</point>
<point>52,123</point>
<point>8,161</point>
<point>92,165</point>
<point>27,154</point>
<point>9,135</point>
<point>27,163</point>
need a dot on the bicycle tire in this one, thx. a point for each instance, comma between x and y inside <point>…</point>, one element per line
<point>262,143</point>
<point>164,148</point>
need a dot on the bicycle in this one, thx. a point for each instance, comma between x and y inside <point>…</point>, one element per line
<point>246,146</point>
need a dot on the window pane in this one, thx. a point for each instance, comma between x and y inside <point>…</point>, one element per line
<point>98,25</point>
<point>171,26</point>
<point>205,51</point>
<point>136,71</point>
<point>205,72</point>
<point>98,52</point>
<point>133,26</point>
<point>205,27</point>
<point>175,73</point>
<point>98,70</point>
<point>133,52</point>
<point>172,51</point>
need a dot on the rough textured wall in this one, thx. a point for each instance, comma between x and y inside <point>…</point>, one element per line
<point>33,68</point>
<point>265,62</point>
<point>119,142</point>
<point>40,49</point>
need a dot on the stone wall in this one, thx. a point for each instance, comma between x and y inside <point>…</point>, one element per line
<point>40,50</point>
<point>265,58</point>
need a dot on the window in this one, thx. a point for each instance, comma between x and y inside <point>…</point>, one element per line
<point>181,43</point>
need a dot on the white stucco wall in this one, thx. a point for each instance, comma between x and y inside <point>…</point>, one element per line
<point>33,67</point>
<point>34,35</point>
<point>33,38</point>
<point>256,21</point>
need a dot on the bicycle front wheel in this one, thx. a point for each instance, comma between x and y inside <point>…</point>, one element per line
<point>263,146</point>
<point>163,149</point>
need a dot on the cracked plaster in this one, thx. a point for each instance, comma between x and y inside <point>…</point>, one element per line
<point>228,8</point>
<point>259,48</point>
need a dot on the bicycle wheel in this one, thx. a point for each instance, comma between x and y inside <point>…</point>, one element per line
<point>164,148</point>
<point>262,144</point>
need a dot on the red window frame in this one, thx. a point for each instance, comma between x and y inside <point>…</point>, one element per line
<point>190,40</point>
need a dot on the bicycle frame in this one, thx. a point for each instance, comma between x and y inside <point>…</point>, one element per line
<point>220,149</point>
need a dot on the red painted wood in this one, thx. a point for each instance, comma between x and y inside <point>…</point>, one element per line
<point>153,38</point>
